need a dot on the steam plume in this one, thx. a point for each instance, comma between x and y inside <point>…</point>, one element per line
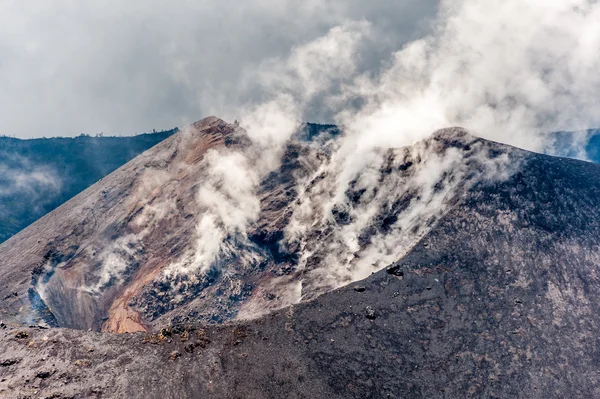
<point>507,71</point>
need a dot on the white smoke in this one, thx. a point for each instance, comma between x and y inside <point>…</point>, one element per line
<point>116,259</point>
<point>227,202</point>
<point>417,189</point>
<point>507,71</point>
<point>227,198</point>
<point>18,176</point>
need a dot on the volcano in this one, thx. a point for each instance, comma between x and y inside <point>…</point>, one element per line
<point>454,267</point>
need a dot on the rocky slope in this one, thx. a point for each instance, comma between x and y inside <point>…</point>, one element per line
<point>498,299</point>
<point>177,236</point>
<point>456,267</point>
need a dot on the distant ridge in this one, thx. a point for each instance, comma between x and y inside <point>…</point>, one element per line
<point>38,175</point>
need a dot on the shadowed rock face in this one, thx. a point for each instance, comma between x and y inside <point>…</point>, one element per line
<point>499,299</point>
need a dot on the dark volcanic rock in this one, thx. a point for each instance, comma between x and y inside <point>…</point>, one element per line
<point>9,362</point>
<point>44,374</point>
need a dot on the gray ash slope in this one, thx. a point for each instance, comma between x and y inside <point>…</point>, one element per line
<point>497,298</point>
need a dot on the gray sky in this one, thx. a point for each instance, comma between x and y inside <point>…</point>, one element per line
<point>69,67</point>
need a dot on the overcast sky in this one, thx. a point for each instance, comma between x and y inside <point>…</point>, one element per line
<point>69,67</point>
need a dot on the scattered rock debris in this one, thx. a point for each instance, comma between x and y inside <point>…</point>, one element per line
<point>21,335</point>
<point>9,362</point>
<point>44,374</point>
<point>370,313</point>
<point>396,271</point>
<point>83,363</point>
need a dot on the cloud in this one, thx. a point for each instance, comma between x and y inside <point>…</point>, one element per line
<point>123,68</point>
<point>107,66</point>
<point>508,70</point>
<point>19,177</point>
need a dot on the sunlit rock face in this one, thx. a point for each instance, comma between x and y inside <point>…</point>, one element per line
<point>87,259</point>
<point>198,229</point>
